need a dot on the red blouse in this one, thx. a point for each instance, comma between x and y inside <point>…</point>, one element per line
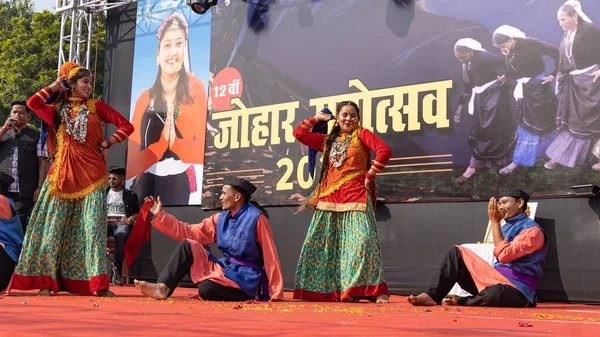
<point>79,168</point>
<point>343,188</point>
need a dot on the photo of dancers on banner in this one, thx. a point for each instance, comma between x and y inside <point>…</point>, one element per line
<point>165,154</point>
<point>468,100</point>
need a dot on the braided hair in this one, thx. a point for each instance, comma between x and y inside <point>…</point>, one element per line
<point>335,132</point>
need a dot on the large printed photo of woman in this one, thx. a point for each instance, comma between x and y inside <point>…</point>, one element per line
<point>165,154</point>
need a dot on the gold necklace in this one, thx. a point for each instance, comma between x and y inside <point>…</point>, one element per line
<point>169,87</point>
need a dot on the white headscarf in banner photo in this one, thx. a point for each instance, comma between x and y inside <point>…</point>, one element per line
<point>469,43</point>
<point>577,7</point>
<point>510,31</point>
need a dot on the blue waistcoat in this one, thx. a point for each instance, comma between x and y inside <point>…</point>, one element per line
<point>530,265</point>
<point>236,239</point>
<point>11,234</point>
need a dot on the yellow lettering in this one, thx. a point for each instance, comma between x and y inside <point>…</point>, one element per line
<point>234,125</point>
<point>391,109</point>
<point>302,172</point>
<point>440,119</point>
<point>283,184</point>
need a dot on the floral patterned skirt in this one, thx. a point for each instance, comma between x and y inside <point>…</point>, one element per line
<point>65,245</point>
<point>341,258</point>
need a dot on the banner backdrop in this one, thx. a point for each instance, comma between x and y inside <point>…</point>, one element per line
<point>462,121</point>
<point>463,117</point>
<point>165,154</point>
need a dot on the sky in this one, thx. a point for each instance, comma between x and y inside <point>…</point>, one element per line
<point>40,5</point>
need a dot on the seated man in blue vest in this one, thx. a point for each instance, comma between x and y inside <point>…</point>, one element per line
<point>250,267</point>
<point>520,248</point>
<point>11,233</point>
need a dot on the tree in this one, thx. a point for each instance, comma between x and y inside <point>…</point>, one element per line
<point>29,43</point>
<point>98,60</point>
<point>15,9</point>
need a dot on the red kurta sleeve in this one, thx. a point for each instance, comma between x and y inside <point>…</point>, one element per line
<point>313,140</point>
<point>527,242</point>
<point>109,115</point>
<point>44,111</point>
<point>270,258</point>
<point>6,209</point>
<point>383,153</point>
<point>139,160</point>
<point>204,232</point>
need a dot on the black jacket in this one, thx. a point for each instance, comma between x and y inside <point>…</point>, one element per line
<point>131,201</point>
<point>28,167</point>
<point>586,48</point>
<point>526,58</point>
<point>485,67</point>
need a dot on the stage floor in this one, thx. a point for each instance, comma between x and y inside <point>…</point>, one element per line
<point>131,314</point>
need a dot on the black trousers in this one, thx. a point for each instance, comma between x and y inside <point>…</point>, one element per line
<point>179,265</point>
<point>121,239</point>
<point>7,267</point>
<point>453,270</point>
<point>23,206</point>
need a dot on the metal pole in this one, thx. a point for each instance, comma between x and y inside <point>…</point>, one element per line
<point>78,10</point>
<point>90,17</point>
<point>61,51</point>
<point>78,36</point>
<point>72,36</point>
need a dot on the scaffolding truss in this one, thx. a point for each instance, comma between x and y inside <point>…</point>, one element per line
<point>77,27</point>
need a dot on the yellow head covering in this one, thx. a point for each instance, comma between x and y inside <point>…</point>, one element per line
<point>68,69</point>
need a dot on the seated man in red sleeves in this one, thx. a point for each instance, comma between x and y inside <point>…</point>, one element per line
<point>250,267</point>
<point>11,233</point>
<point>520,249</point>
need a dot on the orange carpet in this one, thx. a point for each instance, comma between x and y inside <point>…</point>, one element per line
<point>130,314</point>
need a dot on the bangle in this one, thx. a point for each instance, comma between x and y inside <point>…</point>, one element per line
<point>58,83</point>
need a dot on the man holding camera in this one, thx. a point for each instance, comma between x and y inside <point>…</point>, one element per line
<point>23,157</point>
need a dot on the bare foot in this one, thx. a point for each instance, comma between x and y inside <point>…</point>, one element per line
<point>421,300</point>
<point>44,292</point>
<point>450,300</point>
<point>105,293</point>
<point>158,291</point>
<point>383,298</point>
